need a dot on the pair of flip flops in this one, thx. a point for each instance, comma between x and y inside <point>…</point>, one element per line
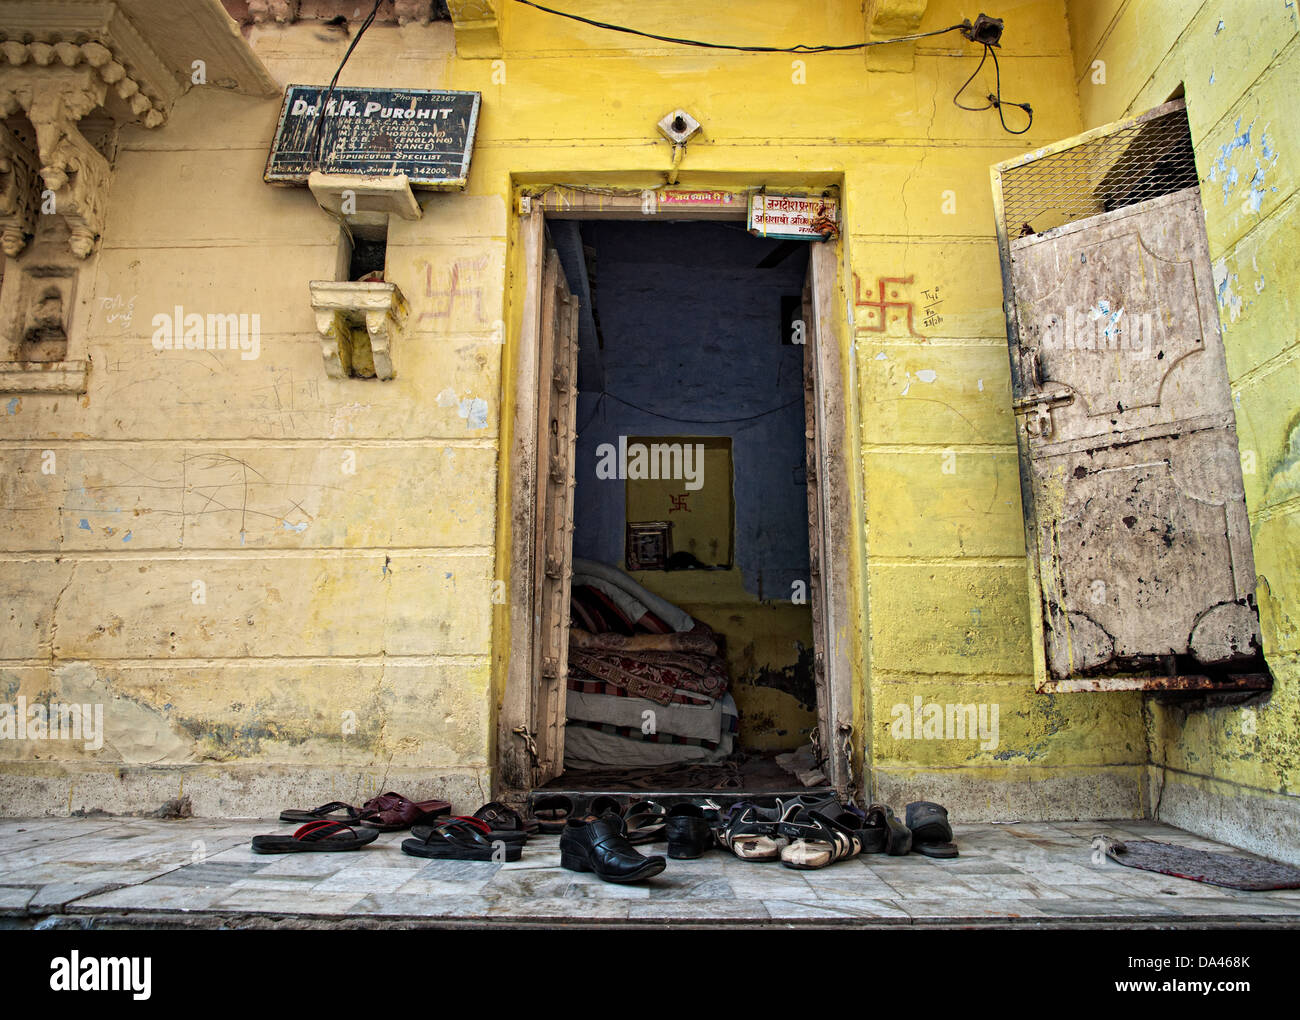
<point>320,836</point>
<point>389,812</point>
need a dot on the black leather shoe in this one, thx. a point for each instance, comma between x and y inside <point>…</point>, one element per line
<point>599,846</point>
<point>689,832</point>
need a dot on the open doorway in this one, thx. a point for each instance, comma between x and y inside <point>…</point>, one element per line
<point>691,642</point>
<point>677,616</point>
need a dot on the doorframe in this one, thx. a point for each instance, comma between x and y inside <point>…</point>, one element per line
<point>839,506</point>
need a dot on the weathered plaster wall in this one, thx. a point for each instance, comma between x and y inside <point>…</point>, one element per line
<point>330,592</point>
<point>1232,771</point>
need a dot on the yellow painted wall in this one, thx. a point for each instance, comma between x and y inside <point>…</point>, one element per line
<point>1231,771</point>
<point>380,605</point>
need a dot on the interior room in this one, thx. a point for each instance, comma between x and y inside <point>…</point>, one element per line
<point>691,640</point>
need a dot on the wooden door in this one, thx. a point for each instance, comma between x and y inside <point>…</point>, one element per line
<point>531,731</point>
<point>1135,511</point>
<point>829,531</point>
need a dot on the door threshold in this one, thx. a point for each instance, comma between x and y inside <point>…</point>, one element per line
<point>669,798</point>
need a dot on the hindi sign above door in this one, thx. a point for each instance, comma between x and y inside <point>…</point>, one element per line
<point>792,217</point>
<point>428,136</point>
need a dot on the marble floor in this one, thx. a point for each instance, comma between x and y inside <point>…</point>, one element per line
<point>113,872</point>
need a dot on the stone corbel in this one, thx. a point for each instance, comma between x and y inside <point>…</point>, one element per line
<point>418,11</point>
<point>282,12</point>
<point>889,19</point>
<point>19,195</point>
<point>71,168</point>
<point>55,86</point>
<point>478,27</point>
<point>359,324</point>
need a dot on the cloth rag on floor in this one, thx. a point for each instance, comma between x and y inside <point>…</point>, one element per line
<point>1232,871</point>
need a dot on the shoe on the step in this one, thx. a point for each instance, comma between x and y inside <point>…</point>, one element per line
<point>931,830</point>
<point>605,805</point>
<point>689,831</point>
<point>884,831</point>
<point>598,845</point>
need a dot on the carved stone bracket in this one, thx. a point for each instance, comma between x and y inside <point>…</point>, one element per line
<point>359,324</point>
<point>56,86</point>
<point>282,12</point>
<point>144,96</point>
<point>19,194</point>
<point>73,171</point>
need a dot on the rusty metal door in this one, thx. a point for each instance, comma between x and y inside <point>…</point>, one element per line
<point>1138,539</point>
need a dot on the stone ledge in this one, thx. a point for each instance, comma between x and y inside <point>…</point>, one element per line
<point>43,377</point>
<point>246,790</point>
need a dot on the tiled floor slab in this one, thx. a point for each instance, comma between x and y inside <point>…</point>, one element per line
<point>1031,873</point>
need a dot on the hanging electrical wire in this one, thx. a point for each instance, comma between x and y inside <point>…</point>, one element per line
<point>995,100</point>
<point>800,48</point>
<point>687,421</point>
<point>984,30</point>
<point>329,92</point>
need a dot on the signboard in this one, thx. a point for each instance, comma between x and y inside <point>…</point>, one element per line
<point>708,199</point>
<point>375,132</point>
<point>793,217</point>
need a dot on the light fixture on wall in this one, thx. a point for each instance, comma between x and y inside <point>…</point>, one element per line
<point>678,127</point>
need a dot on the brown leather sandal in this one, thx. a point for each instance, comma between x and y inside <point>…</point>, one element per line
<point>391,812</point>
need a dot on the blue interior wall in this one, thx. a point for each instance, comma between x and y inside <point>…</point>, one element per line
<point>692,332</point>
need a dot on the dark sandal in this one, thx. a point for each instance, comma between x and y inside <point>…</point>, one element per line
<point>461,840</point>
<point>750,832</point>
<point>315,836</point>
<point>883,823</point>
<point>645,821</point>
<point>552,813</point>
<point>931,830</point>
<point>504,821</point>
<point>605,805</point>
<point>422,831</point>
<point>817,842</point>
<point>334,811</point>
<point>391,812</point>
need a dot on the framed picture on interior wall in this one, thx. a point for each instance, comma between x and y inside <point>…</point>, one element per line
<point>649,544</point>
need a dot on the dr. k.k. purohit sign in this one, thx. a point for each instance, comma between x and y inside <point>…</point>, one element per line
<point>428,136</point>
